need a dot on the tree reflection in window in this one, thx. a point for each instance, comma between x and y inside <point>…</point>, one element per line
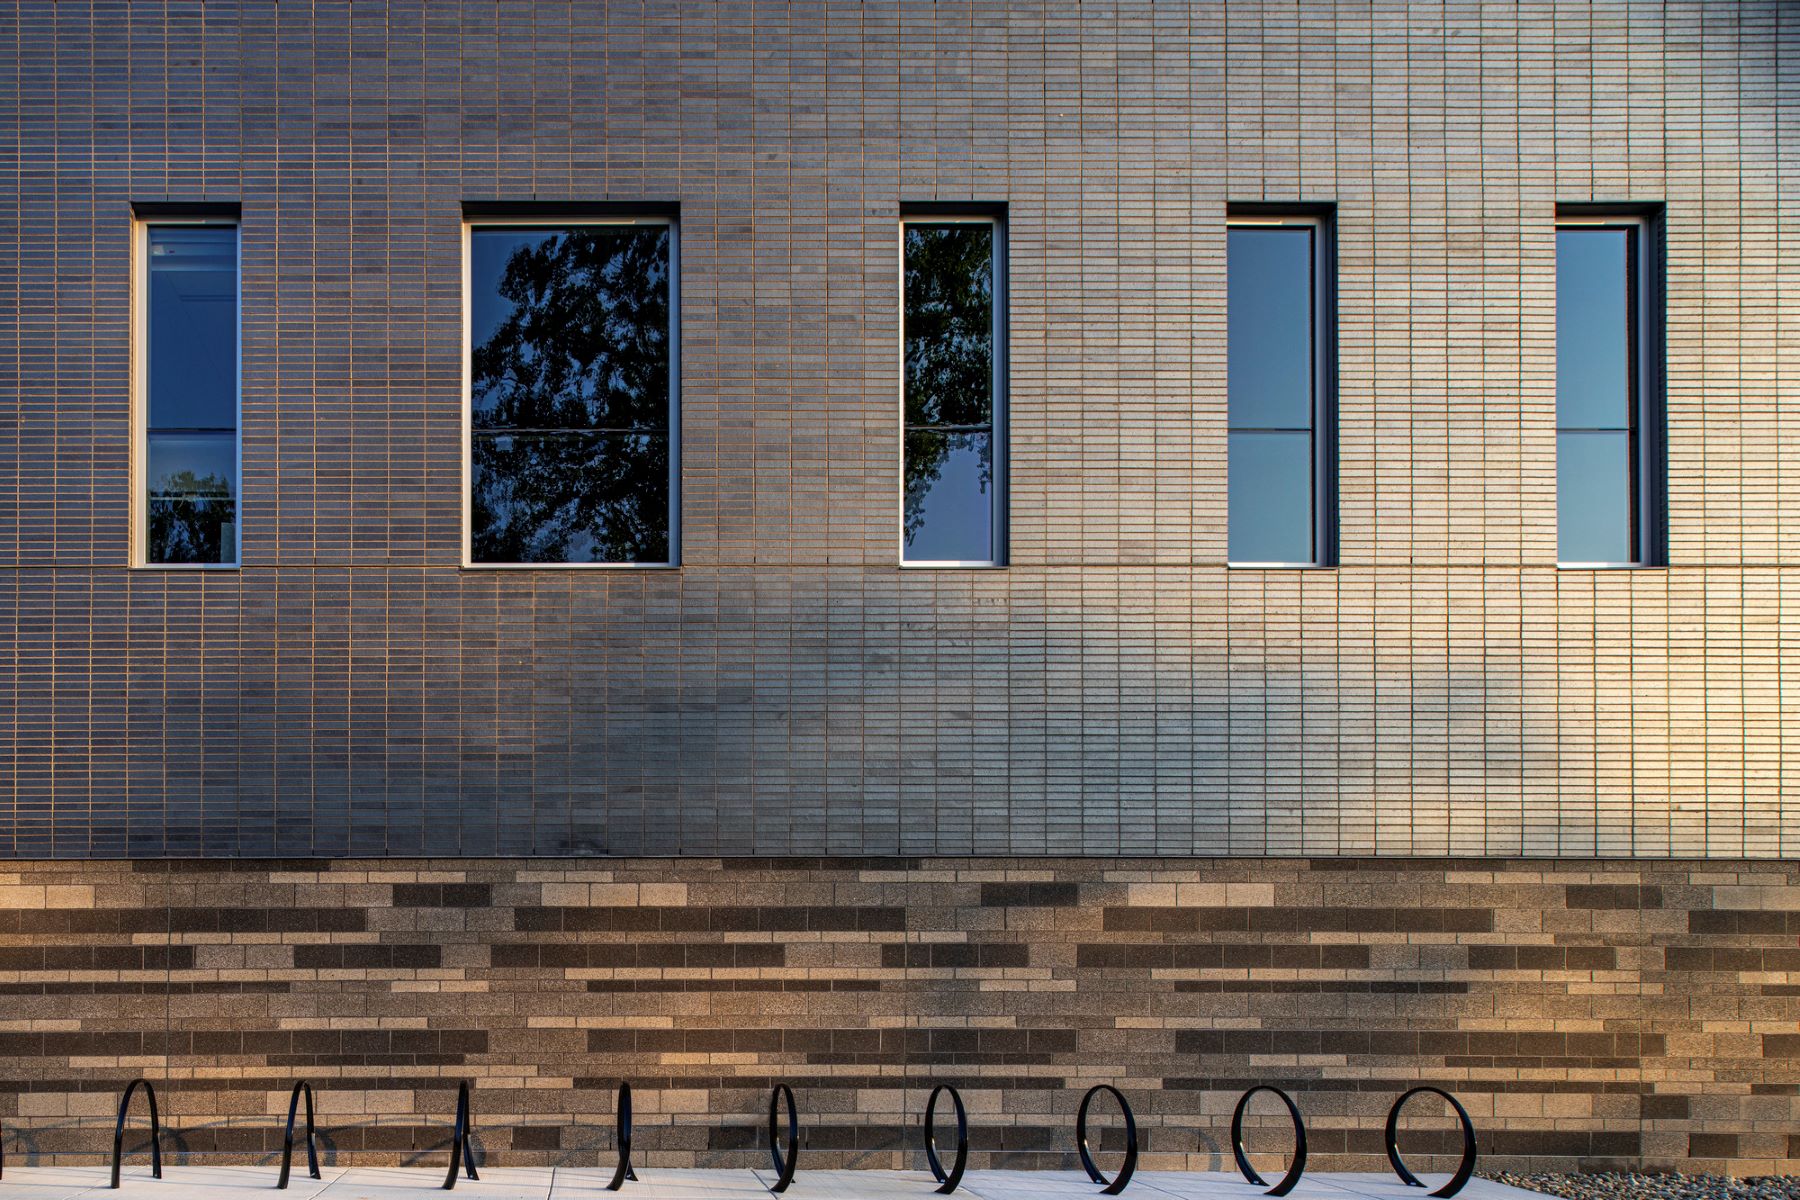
<point>192,519</point>
<point>191,372</point>
<point>570,389</point>
<point>948,508</point>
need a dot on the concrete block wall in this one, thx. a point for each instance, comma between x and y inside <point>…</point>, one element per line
<point>1589,1013</point>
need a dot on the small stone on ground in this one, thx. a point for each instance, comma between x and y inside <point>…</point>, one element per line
<point>1611,1185</point>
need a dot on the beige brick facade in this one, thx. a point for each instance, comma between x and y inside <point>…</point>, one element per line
<point>1445,690</point>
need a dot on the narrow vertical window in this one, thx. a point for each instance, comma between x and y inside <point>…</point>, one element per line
<point>1278,384</point>
<point>1607,490</point>
<point>188,380</point>
<point>954,472</point>
<point>572,394</point>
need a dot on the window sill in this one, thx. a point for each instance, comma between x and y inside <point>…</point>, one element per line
<point>1604,566</point>
<point>150,566</point>
<point>486,566</point>
<point>950,565</point>
<point>1279,566</point>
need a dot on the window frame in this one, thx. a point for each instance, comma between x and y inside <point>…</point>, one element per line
<point>141,223</point>
<point>999,505</point>
<point>1648,477</point>
<point>1321,220</point>
<point>568,219</point>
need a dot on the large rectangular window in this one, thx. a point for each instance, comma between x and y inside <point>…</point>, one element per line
<point>1279,390</point>
<point>187,373</point>
<point>953,487</point>
<point>1607,479</point>
<point>572,374</point>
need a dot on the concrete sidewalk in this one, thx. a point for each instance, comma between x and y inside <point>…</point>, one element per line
<point>589,1183</point>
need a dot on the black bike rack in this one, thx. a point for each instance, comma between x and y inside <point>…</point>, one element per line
<point>784,1167</point>
<point>1464,1169</point>
<point>287,1140</point>
<point>1296,1169</point>
<point>948,1179</point>
<point>1112,1187</point>
<point>622,1135</point>
<point>459,1139</point>
<point>155,1129</point>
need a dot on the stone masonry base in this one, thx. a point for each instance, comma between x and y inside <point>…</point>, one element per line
<point>1589,1014</point>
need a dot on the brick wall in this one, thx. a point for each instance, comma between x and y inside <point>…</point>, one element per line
<point>1588,1013</point>
<point>1445,690</point>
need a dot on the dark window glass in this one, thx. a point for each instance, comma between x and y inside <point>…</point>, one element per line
<point>950,469</point>
<point>191,368</point>
<point>570,387</point>
<point>1596,395</point>
<point>1271,379</point>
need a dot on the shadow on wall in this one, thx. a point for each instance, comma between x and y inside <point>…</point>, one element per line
<point>389,713</point>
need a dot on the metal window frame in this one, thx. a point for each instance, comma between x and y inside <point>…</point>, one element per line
<point>1321,220</point>
<point>1648,487</point>
<point>143,218</point>
<point>567,217</point>
<point>999,508</point>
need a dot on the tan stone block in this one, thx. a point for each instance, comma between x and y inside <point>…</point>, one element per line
<point>25,896</point>
<point>92,1104</point>
<point>1249,895</point>
<point>388,1103</point>
<point>677,1100</point>
<point>1758,898</point>
<point>1508,1106</point>
<point>68,896</point>
<point>1160,895</point>
<point>566,895</point>
<point>43,1104</point>
<point>1566,1105</point>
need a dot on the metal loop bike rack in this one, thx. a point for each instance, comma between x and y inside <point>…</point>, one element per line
<point>1464,1169</point>
<point>1296,1169</point>
<point>287,1140</point>
<point>155,1129</point>
<point>948,1179</point>
<point>1112,1187</point>
<point>459,1139</point>
<point>784,1167</point>
<point>622,1135</point>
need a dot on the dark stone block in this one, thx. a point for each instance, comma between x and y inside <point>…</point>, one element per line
<point>442,895</point>
<point>1712,1145</point>
<point>1614,896</point>
<point>1029,895</point>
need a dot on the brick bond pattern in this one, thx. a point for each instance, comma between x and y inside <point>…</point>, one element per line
<point>1116,691</point>
<point>789,691</point>
<point>1593,1013</point>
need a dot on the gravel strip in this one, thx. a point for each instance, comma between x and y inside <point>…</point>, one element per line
<point>1613,1185</point>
